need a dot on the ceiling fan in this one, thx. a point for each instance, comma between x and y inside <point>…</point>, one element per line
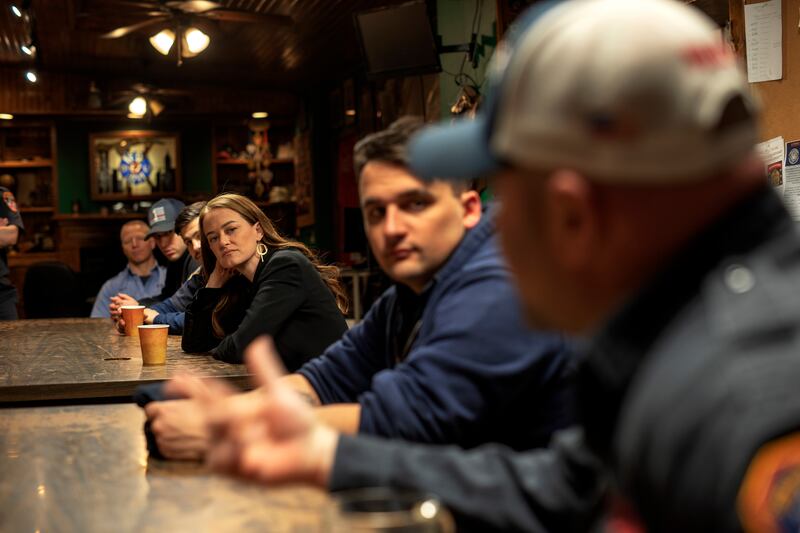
<point>143,100</point>
<point>178,21</point>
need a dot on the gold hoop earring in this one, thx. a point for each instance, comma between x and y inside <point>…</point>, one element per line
<point>261,250</point>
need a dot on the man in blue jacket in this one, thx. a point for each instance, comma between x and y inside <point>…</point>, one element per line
<point>420,366</point>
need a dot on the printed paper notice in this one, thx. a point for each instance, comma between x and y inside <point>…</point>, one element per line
<point>763,34</point>
<point>772,152</point>
<point>791,179</point>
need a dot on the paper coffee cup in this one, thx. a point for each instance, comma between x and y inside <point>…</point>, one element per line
<point>133,315</point>
<point>153,339</point>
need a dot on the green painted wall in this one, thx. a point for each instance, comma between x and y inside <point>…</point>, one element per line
<point>455,19</point>
<point>73,158</point>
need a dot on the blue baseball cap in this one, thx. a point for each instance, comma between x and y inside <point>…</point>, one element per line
<point>636,92</point>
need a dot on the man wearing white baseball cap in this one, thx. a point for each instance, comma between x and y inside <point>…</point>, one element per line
<point>635,215</point>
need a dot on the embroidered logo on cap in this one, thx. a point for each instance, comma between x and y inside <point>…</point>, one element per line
<point>157,214</point>
<point>769,497</point>
<point>8,199</point>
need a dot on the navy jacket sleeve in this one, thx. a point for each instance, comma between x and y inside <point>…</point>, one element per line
<point>559,488</point>
<point>346,368</point>
<point>175,321</point>
<point>178,302</point>
<point>167,306</point>
<point>473,357</point>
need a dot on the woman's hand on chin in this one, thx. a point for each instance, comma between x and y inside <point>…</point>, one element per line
<point>220,276</point>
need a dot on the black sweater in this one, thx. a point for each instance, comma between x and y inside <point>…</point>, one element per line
<point>287,300</point>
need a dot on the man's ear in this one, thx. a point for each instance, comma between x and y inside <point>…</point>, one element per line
<point>471,202</point>
<point>573,222</point>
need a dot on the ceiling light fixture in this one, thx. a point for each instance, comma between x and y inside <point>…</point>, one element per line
<point>163,41</point>
<point>31,76</point>
<point>28,49</point>
<point>138,106</point>
<point>6,116</point>
<point>16,11</point>
<point>260,114</point>
<point>194,42</point>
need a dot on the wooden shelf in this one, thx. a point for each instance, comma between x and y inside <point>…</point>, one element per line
<point>30,258</point>
<point>35,209</point>
<point>245,162</point>
<point>38,163</point>
<point>111,217</point>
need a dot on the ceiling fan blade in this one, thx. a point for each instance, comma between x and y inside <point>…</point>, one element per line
<point>141,88</point>
<point>237,15</point>
<point>125,30</point>
<point>155,106</point>
<point>123,98</point>
<point>194,6</point>
<point>130,3</point>
<point>171,92</point>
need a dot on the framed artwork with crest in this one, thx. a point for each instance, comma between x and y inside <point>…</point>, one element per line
<point>134,164</point>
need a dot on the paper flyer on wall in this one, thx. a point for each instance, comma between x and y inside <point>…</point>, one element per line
<point>763,36</point>
<point>772,153</point>
<point>791,180</point>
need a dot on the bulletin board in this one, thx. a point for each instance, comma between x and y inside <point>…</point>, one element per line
<point>780,99</point>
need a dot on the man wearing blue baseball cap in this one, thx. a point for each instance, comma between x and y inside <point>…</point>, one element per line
<point>161,218</point>
<point>635,215</point>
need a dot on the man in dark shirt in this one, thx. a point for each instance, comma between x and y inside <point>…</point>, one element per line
<point>161,218</point>
<point>635,213</point>
<point>10,228</point>
<point>420,365</point>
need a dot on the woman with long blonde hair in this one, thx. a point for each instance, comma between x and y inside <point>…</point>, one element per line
<point>260,283</point>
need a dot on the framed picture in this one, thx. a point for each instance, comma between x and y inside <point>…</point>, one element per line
<point>139,165</point>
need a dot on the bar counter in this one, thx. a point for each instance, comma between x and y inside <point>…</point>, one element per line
<point>86,359</point>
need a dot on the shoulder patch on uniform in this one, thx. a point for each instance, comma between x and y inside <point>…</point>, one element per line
<point>8,199</point>
<point>769,496</point>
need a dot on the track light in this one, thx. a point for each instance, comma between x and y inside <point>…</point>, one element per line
<point>16,11</point>
<point>260,114</point>
<point>31,76</point>
<point>28,49</point>
<point>163,41</point>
